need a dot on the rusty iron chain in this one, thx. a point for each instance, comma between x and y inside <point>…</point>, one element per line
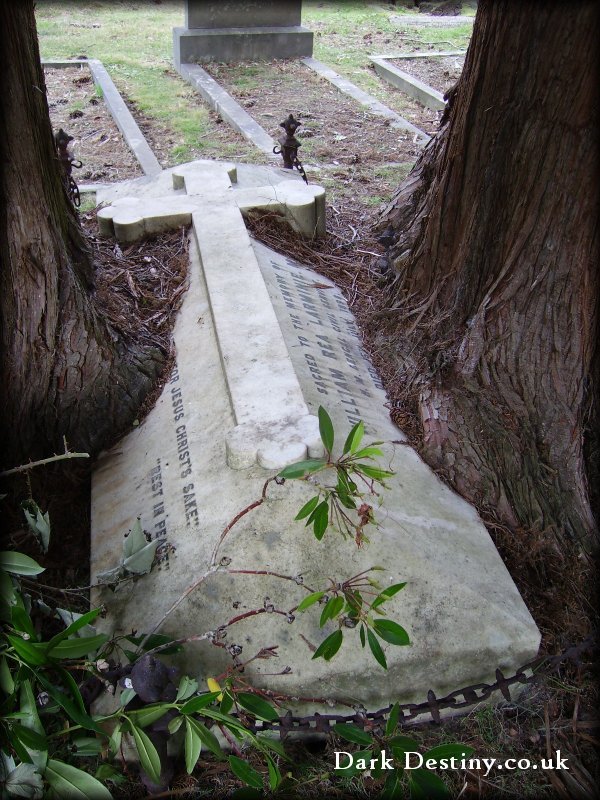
<point>430,709</point>
<point>62,141</point>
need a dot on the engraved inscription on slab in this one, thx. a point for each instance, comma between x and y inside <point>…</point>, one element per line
<point>324,345</point>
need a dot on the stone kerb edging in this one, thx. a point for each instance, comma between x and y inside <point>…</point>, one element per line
<point>415,88</point>
<point>274,427</point>
<point>124,121</point>
<point>365,99</point>
<point>231,111</point>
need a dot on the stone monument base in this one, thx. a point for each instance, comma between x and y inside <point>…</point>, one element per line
<point>202,45</point>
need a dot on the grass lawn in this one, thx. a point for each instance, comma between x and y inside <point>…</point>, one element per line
<point>134,41</point>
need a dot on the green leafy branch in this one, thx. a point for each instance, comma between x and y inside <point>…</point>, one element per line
<point>346,603</point>
<point>340,504</point>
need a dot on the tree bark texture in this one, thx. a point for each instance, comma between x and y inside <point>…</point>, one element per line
<point>64,373</point>
<point>493,302</point>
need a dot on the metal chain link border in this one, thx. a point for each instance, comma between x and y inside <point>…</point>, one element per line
<point>430,709</point>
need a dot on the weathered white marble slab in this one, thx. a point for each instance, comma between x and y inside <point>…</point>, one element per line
<point>461,608</point>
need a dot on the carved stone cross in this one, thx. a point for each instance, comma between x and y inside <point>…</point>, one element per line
<point>274,427</point>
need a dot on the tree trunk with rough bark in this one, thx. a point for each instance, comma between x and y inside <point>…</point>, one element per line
<point>64,373</point>
<point>493,299</point>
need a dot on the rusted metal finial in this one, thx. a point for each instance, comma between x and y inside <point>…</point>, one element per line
<point>65,156</point>
<point>289,145</point>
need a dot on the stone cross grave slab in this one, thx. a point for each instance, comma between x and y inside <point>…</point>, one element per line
<point>184,473</point>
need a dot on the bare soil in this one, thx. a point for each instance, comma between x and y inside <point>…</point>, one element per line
<point>78,109</point>
<point>340,127</point>
<point>440,73</point>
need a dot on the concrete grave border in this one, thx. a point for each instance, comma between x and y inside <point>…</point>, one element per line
<point>364,98</point>
<point>239,119</point>
<point>415,88</point>
<point>231,111</point>
<point>134,138</point>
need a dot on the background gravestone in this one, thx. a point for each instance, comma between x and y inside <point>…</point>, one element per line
<point>241,30</point>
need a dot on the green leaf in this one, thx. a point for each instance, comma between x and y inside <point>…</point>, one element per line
<point>369,452</point>
<point>39,524</point>
<point>310,600</point>
<point>29,738</point>
<point>301,468</point>
<point>114,741</point>
<point>345,499</point>
<point>385,595</point>
<point>141,561</point>
<point>196,703</point>
<point>332,608</point>
<point>321,519</point>
<point>274,774</point>
<point>207,737</point>
<point>106,772</point>
<point>79,621</point>
<point>226,703</point>
<point>393,789</point>
<point>175,724</point>
<point>392,721</point>
<point>193,746</point>
<point>72,688</point>
<point>353,733</point>
<point>375,648</point>
<point>149,759</point>
<point>7,683</point>
<point>88,746</point>
<point>403,744</point>
<point>329,646</point>
<point>425,785</point>
<point>25,781</point>
<point>69,705</point>
<point>257,706</point>
<point>451,750</point>
<point>363,639</point>
<point>143,717</point>
<point>31,720</point>
<point>265,742</point>
<point>31,655</point>
<point>354,438</point>
<point>127,696</point>
<point>8,592</point>
<point>307,508</point>
<point>326,429</point>
<point>245,772</point>
<point>187,687</point>
<point>135,540</point>
<point>231,723</point>
<point>391,632</point>
<point>21,621</point>
<point>25,756</point>
<point>70,782</point>
<point>19,564</point>
<point>373,472</point>
<point>76,648</point>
